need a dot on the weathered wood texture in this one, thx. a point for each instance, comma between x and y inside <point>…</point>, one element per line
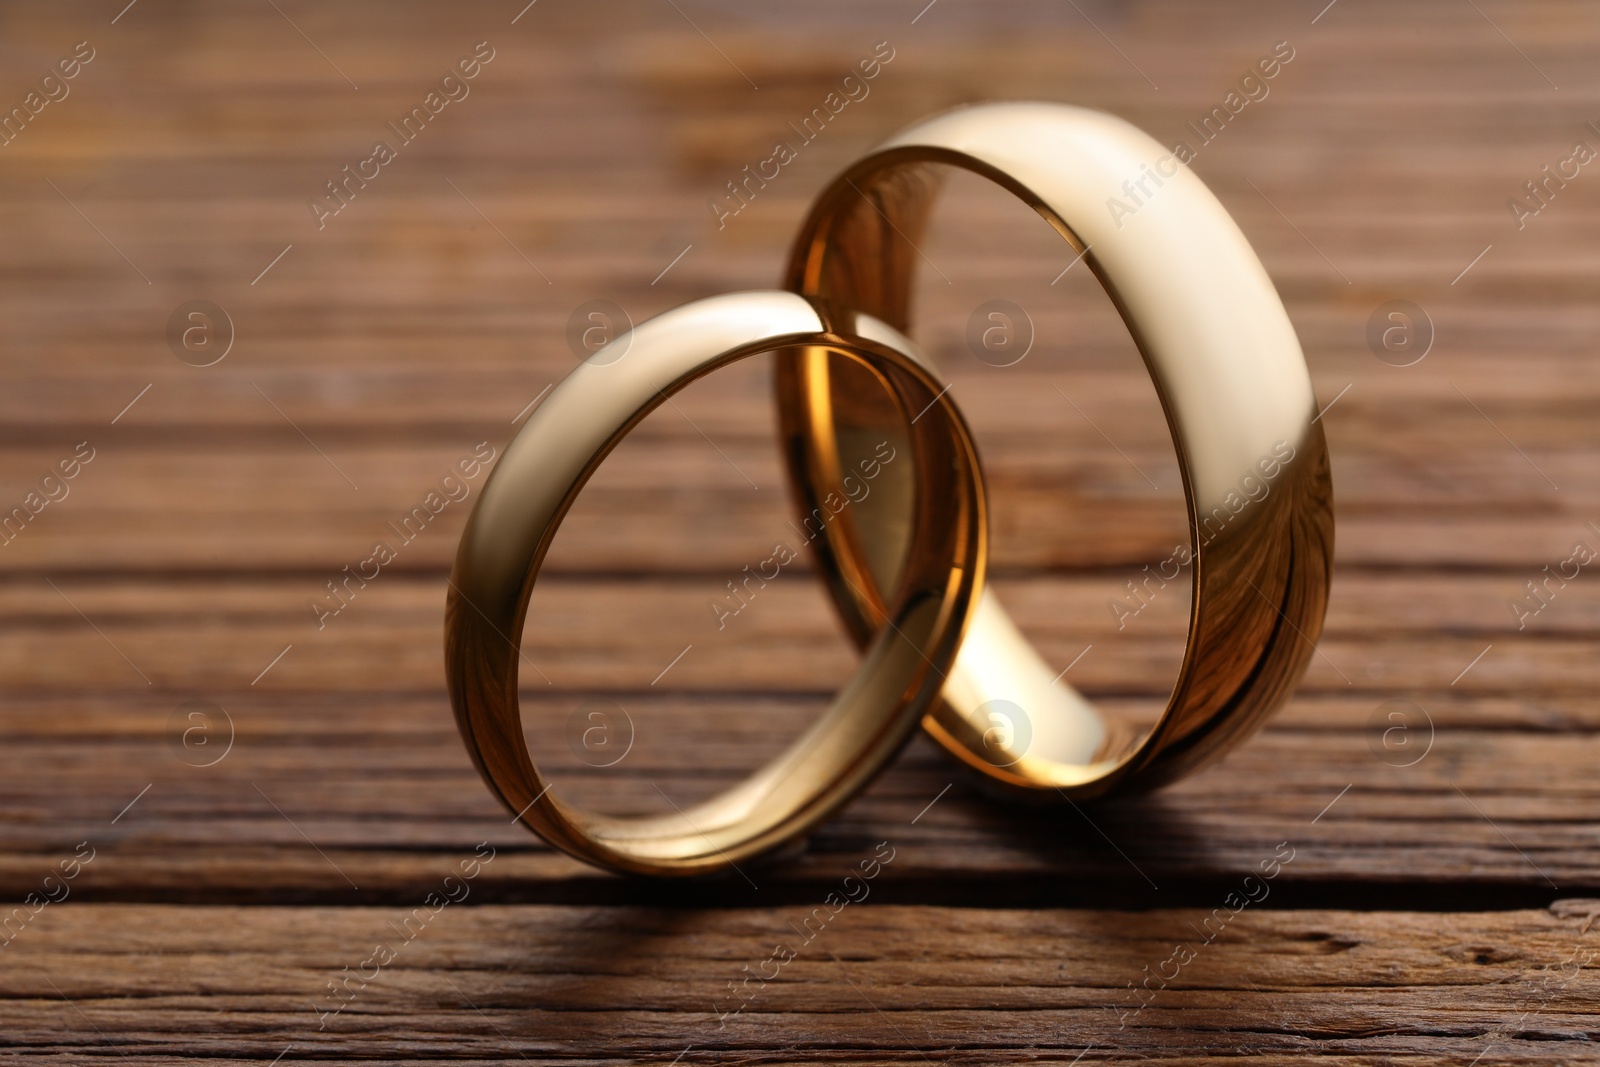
<point>374,353</point>
<point>559,985</point>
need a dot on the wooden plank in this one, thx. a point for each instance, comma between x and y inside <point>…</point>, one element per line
<point>575,984</point>
<point>288,507</point>
<point>222,628</point>
<point>1496,808</point>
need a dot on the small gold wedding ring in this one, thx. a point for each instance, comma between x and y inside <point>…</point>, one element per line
<point>918,631</point>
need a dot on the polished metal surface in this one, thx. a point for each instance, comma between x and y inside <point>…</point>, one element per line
<point>918,631</point>
<point>1230,374</point>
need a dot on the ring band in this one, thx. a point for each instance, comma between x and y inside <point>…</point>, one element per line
<point>1237,395</point>
<point>536,482</point>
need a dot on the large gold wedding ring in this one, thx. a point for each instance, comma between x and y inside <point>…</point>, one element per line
<point>543,470</point>
<point>1229,372</point>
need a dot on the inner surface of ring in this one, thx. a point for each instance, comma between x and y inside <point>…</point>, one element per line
<point>878,217</point>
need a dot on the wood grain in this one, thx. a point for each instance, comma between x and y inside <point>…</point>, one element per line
<point>874,983</point>
<point>1437,907</point>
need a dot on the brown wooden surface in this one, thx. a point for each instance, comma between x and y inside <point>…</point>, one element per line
<point>552,985</point>
<point>1433,913</point>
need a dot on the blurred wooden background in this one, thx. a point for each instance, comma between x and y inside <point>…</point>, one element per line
<point>1435,909</point>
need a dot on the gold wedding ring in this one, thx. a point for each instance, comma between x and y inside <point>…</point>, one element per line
<point>917,632</point>
<point>1230,375</point>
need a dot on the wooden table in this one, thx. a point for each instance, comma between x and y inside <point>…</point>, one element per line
<point>270,791</point>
